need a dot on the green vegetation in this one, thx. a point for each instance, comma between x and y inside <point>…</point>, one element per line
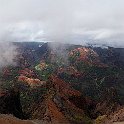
<point>100,119</point>
<point>82,119</point>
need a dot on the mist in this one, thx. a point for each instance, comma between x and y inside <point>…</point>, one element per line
<point>8,53</point>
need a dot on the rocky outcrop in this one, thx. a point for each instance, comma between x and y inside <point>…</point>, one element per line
<point>32,82</point>
<point>116,117</point>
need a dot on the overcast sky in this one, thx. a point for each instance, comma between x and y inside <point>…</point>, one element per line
<point>79,21</point>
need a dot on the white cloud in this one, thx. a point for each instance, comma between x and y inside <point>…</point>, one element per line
<point>62,20</point>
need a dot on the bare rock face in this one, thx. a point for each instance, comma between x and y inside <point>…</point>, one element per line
<point>10,103</point>
<point>87,55</point>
